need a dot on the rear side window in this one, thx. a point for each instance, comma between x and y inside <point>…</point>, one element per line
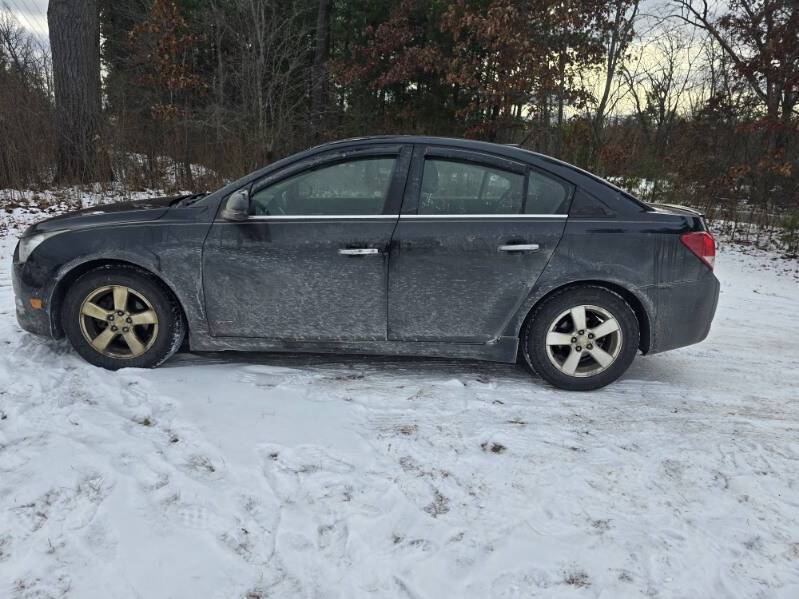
<point>450,187</point>
<point>357,186</point>
<point>584,204</point>
<point>545,195</point>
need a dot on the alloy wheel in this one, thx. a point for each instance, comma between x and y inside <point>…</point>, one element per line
<point>118,321</point>
<point>583,341</point>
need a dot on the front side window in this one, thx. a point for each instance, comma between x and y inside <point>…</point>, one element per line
<point>450,187</point>
<point>351,187</point>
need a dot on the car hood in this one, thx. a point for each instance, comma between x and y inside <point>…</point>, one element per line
<point>135,211</point>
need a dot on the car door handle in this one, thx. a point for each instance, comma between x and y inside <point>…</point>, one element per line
<point>519,247</point>
<point>358,251</point>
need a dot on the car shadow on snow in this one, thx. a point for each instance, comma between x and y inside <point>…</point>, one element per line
<point>675,367</point>
<point>401,365</point>
<point>656,369</point>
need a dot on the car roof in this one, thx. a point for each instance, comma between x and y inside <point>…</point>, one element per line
<point>454,142</point>
<point>575,175</point>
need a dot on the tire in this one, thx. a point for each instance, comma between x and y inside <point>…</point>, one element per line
<point>151,318</point>
<point>564,358</point>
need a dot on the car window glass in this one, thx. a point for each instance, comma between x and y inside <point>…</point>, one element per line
<point>584,204</point>
<point>450,187</point>
<point>545,195</point>
<point>350,187</point>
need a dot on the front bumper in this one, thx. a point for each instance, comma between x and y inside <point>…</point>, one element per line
<point>34,320</point>
<point>685,311</point>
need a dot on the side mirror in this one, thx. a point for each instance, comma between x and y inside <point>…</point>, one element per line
<point>237,206</point>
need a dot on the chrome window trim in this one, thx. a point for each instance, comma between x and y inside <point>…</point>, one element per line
<point>480,216</point>
<point>402,216</point>
<point>324,217</point>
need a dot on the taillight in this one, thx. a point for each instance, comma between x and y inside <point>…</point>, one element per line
<point>701,244</point>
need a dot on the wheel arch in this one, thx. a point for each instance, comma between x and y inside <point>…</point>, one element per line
<point>635,302</point>
<point>71,275</point>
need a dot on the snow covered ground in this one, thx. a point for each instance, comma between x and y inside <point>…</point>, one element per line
<point>256,475</point>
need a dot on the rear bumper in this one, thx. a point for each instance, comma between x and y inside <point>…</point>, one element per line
<point>34,320</point>
<point>685,311</point>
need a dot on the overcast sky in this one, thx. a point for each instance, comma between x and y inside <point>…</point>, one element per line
<point>31,14</point>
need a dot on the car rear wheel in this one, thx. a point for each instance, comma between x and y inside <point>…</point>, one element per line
<point>581,338</point>
<point>121,316</point>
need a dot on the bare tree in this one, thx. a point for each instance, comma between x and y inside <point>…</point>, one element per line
<point>319,84</point>
<point>25,107</point>
<point>759,37</point>
<point>658,82</point>
<point>75,44</point>
<point>623,14</point>
<point>273,75</point>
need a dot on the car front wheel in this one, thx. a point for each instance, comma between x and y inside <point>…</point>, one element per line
<point>120,316</point>
<point>581,338</point>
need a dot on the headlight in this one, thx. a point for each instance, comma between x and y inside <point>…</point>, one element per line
<point>28,244</point>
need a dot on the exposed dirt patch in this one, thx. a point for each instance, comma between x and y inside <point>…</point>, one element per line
<point>493,447</point>
<point>439,505</point>
<point>577,578</point>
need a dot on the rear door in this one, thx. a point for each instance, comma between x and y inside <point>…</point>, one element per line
<point>311,261</point>
<point>475,233</point>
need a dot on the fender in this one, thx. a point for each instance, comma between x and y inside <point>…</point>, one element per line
<point>639,301</point>
<point>620,258</point>
<point>145,259</point>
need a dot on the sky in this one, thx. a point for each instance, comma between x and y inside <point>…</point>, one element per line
<point>31,14</point>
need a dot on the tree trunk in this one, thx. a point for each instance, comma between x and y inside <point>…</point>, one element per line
<point>561,92</point>
<point>75,45</point>
<point>319,88</point>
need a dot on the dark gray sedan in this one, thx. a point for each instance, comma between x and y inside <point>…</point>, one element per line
<point>385,245</point>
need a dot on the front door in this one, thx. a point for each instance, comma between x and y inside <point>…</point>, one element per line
<point>311,262</point>
<point>475,233</point>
